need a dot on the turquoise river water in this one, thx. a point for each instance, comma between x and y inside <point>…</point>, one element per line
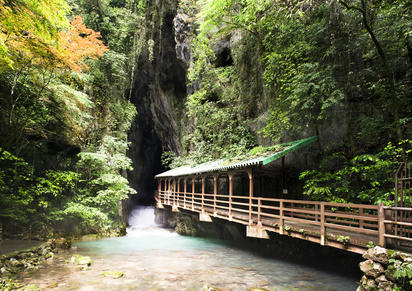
<point>153,258</point>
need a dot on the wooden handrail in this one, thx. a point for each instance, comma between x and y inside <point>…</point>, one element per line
<point>267,212</point>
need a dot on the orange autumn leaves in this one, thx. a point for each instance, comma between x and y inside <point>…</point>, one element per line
<point>77,43</point>
<point>37,33</point>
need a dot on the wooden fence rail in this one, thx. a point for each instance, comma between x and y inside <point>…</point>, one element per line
<point>348,226</point>
<point>341,225</point>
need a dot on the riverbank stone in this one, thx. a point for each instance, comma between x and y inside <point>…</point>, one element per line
<point>113,274</point>
<point>377,254</point>
<point>402,256</point>
<point>368,284</point>
<point>81,260</point>
<point>63,243</point>
<point>371,268</point>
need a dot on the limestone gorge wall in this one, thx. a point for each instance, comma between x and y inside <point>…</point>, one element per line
<point>160,89</point>
<point>158,94</point>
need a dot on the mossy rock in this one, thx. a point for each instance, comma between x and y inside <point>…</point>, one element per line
<point>89,237</point>
<point>81,260</point>
<point>32,287</point>
<point>113,274</point>
<point>63,243</point>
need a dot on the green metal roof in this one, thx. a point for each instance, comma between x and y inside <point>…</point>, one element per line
<point>240,162</point>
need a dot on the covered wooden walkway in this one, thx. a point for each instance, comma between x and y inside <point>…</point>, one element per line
<point>346,226</point>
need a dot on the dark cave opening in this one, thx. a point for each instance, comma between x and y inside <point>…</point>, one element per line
<point>158,93</point>
<point>224,58</point>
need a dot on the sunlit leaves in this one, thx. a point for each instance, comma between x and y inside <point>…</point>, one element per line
<point>30,27</point>
<point>79,42</point>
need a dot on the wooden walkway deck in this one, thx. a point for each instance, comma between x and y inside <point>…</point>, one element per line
<point>345,226</point>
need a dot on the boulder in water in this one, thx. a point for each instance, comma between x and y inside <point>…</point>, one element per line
<point>113,274</point>
<point>81,260</point>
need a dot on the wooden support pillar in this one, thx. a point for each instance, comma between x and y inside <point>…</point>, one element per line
<point>193,193</point>
<point>230,175</point>
<point>281,220</point>
<point>214,193</point>
<point>361,221</point>
<point>184,192</point>
<point>381,225</point>
<point>389,229</point>
<point>168,192</point>
<point>250,174</point>
<point>203,193</point>
<point>322,224</point>
<point>174,191</point>
<point>178,192</point>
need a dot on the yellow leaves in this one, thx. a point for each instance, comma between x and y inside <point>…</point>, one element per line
<point>28,27</point>
<point>37,32</point>
<point>79,42</point>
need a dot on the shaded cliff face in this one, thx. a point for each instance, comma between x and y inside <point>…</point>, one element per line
<point>158,94</point>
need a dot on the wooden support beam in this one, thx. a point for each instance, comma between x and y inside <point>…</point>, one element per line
<point>230,175</point>
<point>250,174</point>
<point>322,224</point>
<point>281,220</point>
<point>203,193</point>
<point>178,191</point>
<point>389,242</point>
<point>214,193</point>
<point>184,191</point>
<point>168,192</point>
<point>174,191</point>
<point>361,221</point>
<point>381,225</point>
<point>193,193</point>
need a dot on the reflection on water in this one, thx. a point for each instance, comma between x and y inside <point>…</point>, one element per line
<point>158,259</point>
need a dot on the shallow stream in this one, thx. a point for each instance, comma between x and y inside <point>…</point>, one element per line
<point>153,258</point>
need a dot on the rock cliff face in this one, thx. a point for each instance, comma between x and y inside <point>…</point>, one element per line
<point>158,93</point>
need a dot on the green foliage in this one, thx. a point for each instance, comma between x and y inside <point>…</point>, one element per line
<point>402,272</point>
<point>343,239</point>
<point>313,65</point>
<point>101,187</point>
<point>366,178</point>
<point>26,198</point>
<point>63,133</point>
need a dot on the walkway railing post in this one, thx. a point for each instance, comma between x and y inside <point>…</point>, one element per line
<point>184,192</point>
<point>214,193</point>
<point>250,174</point>
<point>230,194</point>
<point>361,221</point>
<point>281,217</point>
<point>381,224</point>
<point>168,192</point>
<point>174,192</point>
<point>178,191</point>
<point>259,204</point>
<point>203,194</point>
<point>193,193</point>
<point>322,224</point>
